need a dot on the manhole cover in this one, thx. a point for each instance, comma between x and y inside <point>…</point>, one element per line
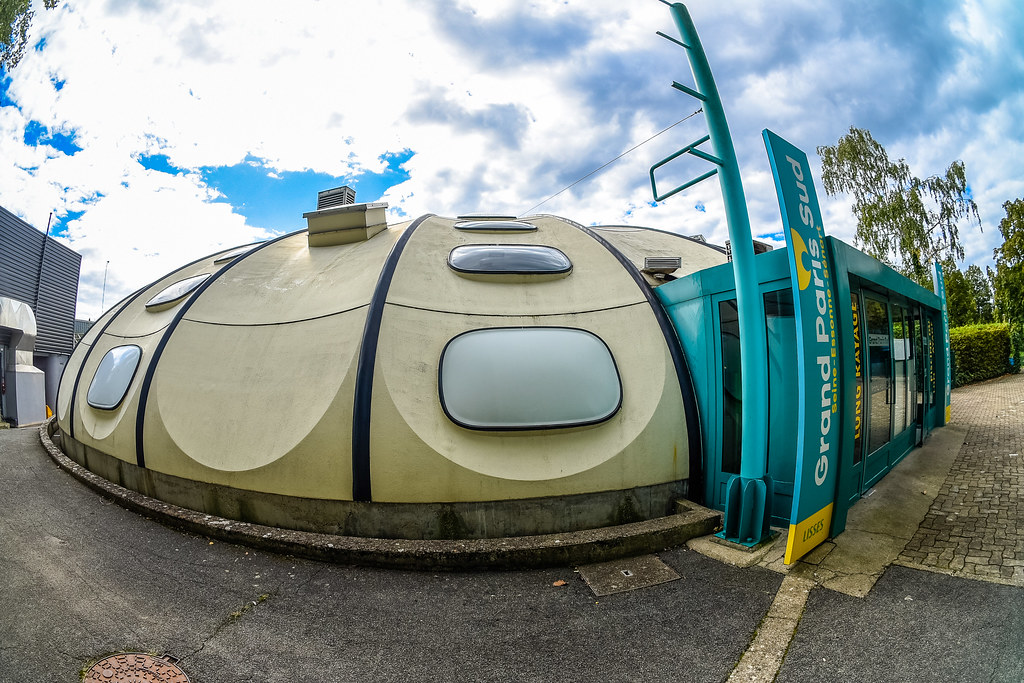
<point>626,574</point>
<point>136,667</point>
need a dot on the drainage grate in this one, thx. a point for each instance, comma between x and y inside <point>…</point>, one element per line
<point>136,667</point>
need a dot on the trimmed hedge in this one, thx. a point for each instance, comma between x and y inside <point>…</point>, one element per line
<point>980,352</point>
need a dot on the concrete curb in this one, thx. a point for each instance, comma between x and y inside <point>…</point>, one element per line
<point>567,549</point>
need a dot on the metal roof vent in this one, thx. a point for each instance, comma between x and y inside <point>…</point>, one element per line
<point>664,265</point>
<point>345,223</point>
<point>337,196</point>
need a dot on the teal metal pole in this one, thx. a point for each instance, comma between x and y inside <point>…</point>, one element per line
<point>753,523</point>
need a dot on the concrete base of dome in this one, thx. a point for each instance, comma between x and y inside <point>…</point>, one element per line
<point>685,521</point>
<point>428,521</point>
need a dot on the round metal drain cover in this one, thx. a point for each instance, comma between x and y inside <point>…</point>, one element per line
<point>136,667</point>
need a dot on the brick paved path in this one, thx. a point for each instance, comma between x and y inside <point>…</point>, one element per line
<point>975,527</point>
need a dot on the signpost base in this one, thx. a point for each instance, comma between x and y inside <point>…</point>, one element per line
<point>747,510</point>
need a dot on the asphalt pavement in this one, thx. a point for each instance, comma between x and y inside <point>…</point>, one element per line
<point>82,577</point>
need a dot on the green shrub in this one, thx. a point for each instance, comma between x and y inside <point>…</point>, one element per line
<point>980,352</point>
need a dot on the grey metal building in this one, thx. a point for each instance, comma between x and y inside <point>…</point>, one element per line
<point>38,292</point>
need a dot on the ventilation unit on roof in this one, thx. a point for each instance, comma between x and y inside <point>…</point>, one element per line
<point>662,264</point>
<point>337,196</point>
<point>344,223</point>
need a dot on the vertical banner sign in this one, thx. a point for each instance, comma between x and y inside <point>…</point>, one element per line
<point>940,290</point>
<point>932,394</point>
<point>818,418</point>
<point>858,366</point>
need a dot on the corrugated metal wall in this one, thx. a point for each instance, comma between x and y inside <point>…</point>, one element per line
<point>53,301</point>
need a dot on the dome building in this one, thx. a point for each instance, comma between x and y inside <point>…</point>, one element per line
<point>466,377</point>
<point>484,377</point>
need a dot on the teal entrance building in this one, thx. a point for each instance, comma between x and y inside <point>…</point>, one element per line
<point>815,367</point>
<point>890,356</point>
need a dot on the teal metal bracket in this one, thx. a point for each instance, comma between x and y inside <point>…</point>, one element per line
<point>749,494</point>
<point>689,149</point>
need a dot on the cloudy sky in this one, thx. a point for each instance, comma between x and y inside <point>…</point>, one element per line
<point>157,132</point>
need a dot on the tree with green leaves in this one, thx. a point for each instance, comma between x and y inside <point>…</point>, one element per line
<point>1009,276</point>
<point>960,302</point>
<point>902,220</point>
<point>982,293</point>
<point>15,20</point>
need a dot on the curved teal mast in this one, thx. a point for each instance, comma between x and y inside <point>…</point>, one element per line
<point>748,497</point>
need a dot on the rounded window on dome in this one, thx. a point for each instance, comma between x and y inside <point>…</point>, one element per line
<point>233,254</point>
<point>113,377</point>
<point>513,259</point>
<point>174,293</point>
<point>495,226</point>
<point>528,378</point>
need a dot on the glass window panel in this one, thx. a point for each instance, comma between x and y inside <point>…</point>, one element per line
<point>780,328</point>
<point>234,253</point>
<point>918,382</point>
<point>732,384</point>
<point>520,259</point>
<point>113,376</point>
<point>901,354</point>
<point>495,226</point>
<point>177,291</point>
<point>879,373</point>
<point>528,378</point>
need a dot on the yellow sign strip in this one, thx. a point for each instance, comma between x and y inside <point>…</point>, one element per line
<point>807,534</point>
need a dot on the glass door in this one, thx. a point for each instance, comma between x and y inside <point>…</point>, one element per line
<point>905,384</point>
<point>880,388</point>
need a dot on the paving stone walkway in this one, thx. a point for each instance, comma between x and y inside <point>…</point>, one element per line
<point>975,527</point>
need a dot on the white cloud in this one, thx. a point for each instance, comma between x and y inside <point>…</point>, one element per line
<point>502,103</point>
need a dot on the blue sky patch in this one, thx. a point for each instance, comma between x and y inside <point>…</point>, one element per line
<point>276,201</point>
<point>59,226</point>
<point>37,134</point>
<point>158,162</point>
<point>5,83</point>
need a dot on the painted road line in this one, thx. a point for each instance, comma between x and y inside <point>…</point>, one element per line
<point>763,658</point>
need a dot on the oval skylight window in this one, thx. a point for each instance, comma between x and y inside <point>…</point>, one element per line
<point>495,226</point>
<point>179,290</point>
<point>528,378</point>
<point>234,253</point>
<point>516,259</point>
<point>113,377</point>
